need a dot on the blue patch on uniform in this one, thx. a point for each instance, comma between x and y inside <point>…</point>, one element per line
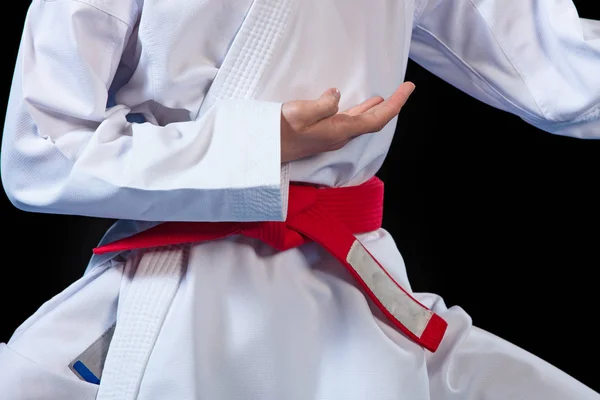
<point>136,118</point>
<point>85,373</point>
<point>110,102</point>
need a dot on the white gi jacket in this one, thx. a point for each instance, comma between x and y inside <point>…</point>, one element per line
<point>150,111</point>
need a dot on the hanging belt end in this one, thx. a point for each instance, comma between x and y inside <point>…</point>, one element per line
<point>434,333</point>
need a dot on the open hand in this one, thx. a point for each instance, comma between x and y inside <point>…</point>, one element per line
<point>310,127</point>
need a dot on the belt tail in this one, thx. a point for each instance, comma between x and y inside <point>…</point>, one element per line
<point>406,313</point>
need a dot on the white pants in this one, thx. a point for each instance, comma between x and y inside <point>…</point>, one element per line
<point>247,322</point>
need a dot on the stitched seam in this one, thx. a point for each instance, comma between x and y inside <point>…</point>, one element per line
<point>544,112</point>
<point>547,120</point>
<point>586,117</point>
<point>419,8</point>
<point>594,112</point>
<point>483,80</point>
<point>277,48</point>
<point>102,10</point>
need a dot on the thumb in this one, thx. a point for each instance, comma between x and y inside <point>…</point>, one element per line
<point>325,106</point>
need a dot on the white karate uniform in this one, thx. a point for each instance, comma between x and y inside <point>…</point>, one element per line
<point>150,111</point>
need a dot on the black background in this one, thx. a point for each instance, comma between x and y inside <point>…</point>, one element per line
<point>494,215</point>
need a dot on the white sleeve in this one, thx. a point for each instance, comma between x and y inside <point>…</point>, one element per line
<point>534,58</point>
<point>65,152</point>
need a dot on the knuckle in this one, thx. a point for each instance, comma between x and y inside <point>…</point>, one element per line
<point>328,107</point>
<point>331,138</point>
<point>379,126</point>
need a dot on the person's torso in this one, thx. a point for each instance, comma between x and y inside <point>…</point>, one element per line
<point>358,46</point>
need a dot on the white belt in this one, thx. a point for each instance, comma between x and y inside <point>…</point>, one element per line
<point>147,291</point>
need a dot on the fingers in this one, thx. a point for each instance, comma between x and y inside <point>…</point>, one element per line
<point>378,116</point>
<point>397,100</point>
<point>364,106</point>
<point>310,127</point>
<point>325,106</point>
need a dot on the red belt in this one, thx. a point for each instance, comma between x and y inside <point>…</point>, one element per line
<point>330,217</point>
